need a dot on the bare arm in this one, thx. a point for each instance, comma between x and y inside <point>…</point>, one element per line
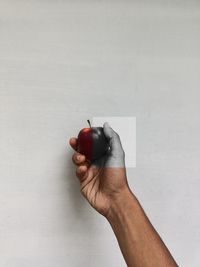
<point>104,184</point>
<point>139,242</point>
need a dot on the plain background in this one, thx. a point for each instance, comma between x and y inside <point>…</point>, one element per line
<point>62,62</point>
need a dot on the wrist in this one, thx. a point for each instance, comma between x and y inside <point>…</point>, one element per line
<point>121,204</point>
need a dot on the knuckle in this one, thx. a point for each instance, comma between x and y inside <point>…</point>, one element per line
<point>75,157</point>
<point>79,169</point>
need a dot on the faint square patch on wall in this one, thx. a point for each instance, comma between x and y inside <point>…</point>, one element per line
<point>126,128</point>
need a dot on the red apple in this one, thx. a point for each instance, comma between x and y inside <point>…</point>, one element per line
<point>92,143</point>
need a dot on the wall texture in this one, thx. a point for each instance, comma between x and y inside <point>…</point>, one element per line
<point>62,62</point>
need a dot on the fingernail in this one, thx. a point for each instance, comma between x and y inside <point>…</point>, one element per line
<point>78,157</point>
<point>107,124</point>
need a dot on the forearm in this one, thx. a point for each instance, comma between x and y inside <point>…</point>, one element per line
<point>140,244</point>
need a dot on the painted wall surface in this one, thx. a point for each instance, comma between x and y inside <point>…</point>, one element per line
<point>62,62</point>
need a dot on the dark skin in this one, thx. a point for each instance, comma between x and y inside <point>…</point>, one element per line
<point>98,185</point>
<point>106,188</point>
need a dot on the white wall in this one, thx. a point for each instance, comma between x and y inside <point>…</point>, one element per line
<point>62,62</point>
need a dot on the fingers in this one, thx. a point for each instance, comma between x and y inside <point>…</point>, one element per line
<point>114,140</point>
<point>73,143</point>
<point>81,172</point>
<point>117,155</point>
<point>82,165</point>
<point>78,158</point>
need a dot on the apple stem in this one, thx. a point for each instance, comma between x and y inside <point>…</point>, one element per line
<point>89,123</point>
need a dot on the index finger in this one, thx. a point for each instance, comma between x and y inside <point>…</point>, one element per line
<point>73,143</point>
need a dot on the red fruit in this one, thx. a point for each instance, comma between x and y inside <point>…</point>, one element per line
<point>92,143</point>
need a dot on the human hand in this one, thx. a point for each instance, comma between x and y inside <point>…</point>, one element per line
<point>105,179</point>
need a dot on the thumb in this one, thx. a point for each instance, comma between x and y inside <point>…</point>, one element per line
<point>116,150</point>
